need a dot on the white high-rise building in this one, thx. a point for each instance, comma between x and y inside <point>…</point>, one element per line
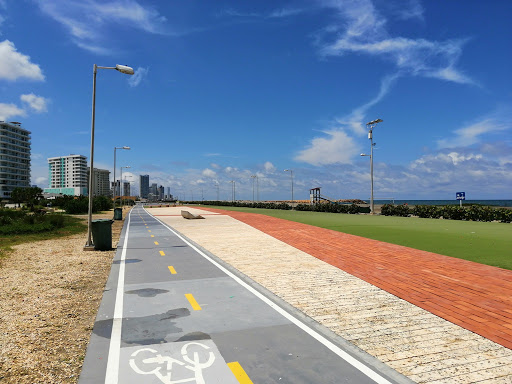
<point>14,158</point>
<point>67,175</point>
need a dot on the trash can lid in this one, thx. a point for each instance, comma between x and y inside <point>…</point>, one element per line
<point>102,220</point>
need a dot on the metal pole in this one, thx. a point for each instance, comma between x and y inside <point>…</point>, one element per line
<point>120,189</point>
<point>114,191</point>
<point>257,188</point>
<point>371,171</point>
<point>89,243</point>
<point>291,173</point>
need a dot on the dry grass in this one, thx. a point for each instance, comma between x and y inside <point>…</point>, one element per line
<point>50,292</point>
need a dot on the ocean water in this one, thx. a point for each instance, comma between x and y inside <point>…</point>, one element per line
<point>496,203</point>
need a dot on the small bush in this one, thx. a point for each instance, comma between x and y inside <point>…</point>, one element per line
<point>395,210</point>
<point>427,211</point>
<point>453,212</point>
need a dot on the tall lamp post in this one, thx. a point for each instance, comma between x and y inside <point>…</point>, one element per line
<point>253,177</point>
<point>114,194</point>
<point>121,194</point>
<point>233,189</point>
<point>291,174</point>
<point>123,69</point>
<point>370,126</point>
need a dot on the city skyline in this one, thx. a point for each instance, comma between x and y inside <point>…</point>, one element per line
<point>226,91</point>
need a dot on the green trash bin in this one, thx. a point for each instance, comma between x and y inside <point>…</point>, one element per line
<point>102,234</point>
<point>118,214</point>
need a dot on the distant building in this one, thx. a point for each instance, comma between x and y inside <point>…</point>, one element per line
<point>114,186</point>
<point>161,193</point>
<point>126,188</point>
<point>67,175</point>
<point>101,182</point>
<point>14,158</point>
<point>144,186</point>
<point>153,192</point>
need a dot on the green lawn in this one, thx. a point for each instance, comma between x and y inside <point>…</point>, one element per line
<point>486,243</point>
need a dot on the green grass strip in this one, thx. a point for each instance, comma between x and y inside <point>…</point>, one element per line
<point>485,243</point>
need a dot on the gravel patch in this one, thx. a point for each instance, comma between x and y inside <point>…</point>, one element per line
<point>50,292</point>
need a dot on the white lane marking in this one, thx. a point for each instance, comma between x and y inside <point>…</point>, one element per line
<point>334,348</point>
<point>112,373</point>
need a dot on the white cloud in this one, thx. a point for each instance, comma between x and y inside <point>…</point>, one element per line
<point>285,12</point>
<point>140,74</point>
<point>209,173</point>
<point>10,110</point>
<point>86,21</point>
<point>355,120</point>
<point>337,147</point>
<point>269,167</point>
<point>15,65</point>
<point>362,29</point>
<point>495,122</point>
<point>37,103</point>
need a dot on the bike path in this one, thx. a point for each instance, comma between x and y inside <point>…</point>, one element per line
<point>173,313</point>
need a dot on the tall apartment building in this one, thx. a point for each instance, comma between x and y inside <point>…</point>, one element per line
<point>126,188</point>
<point>67,175</point>
<point>14,158</point>
<point>144,186</point>
<point>101,182</point>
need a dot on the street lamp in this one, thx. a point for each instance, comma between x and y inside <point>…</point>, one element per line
<point>233,190</point>
<point>123,69</point>
<point>291,174</point>
<point>253,177</point>
<point>370,126</point>
<point>121,194</point>
<point>217,185</point>
<point>115,172</point>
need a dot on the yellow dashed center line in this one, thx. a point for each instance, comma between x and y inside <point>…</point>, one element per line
<point>239,373</point>
<point>162,253</point>
<point>149,230</point>
<point>171,268</point>
<point>152,235</point>
<point>156,242</point>
<point>192,302</point>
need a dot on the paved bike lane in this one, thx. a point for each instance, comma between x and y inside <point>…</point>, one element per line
<point>173,313</point>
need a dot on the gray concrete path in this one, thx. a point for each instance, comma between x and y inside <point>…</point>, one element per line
<point>174,313</point>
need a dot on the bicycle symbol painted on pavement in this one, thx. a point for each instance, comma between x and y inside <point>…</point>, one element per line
<point>147,361</point>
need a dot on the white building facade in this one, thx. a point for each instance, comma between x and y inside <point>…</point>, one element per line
<point>67,175</point>
<point>14,158</point>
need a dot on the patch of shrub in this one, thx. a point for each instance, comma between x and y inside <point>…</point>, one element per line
<point>427,211</point>
<point>395,210</point>
<point>453,212</point>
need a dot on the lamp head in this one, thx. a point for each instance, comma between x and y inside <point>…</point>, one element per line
<point>125,69</point>
<point>126,148</point>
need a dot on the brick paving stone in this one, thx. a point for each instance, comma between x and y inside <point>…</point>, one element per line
<point>309,271</point>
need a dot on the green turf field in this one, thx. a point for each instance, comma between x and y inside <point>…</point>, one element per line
<point>486,243</point>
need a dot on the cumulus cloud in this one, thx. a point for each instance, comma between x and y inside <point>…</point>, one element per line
<point>15,65</point>
<point>269,167</point>
<point>36,103</point>
<point>10,110</point>
<point>138,76</point>
<point>209,173</point>
<point>87,21</point>
<point>336,147</point>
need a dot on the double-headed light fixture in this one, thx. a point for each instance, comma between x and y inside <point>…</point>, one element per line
<point>370,126</point>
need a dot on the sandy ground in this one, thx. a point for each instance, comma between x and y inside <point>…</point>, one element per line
<point>50,292</point>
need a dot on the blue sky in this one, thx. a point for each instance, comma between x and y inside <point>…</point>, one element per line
<point>226,89</point>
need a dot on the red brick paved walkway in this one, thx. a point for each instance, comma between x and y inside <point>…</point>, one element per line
<point>474,296</point>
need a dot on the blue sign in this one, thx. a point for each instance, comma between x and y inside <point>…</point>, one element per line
<point>460,195</point>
